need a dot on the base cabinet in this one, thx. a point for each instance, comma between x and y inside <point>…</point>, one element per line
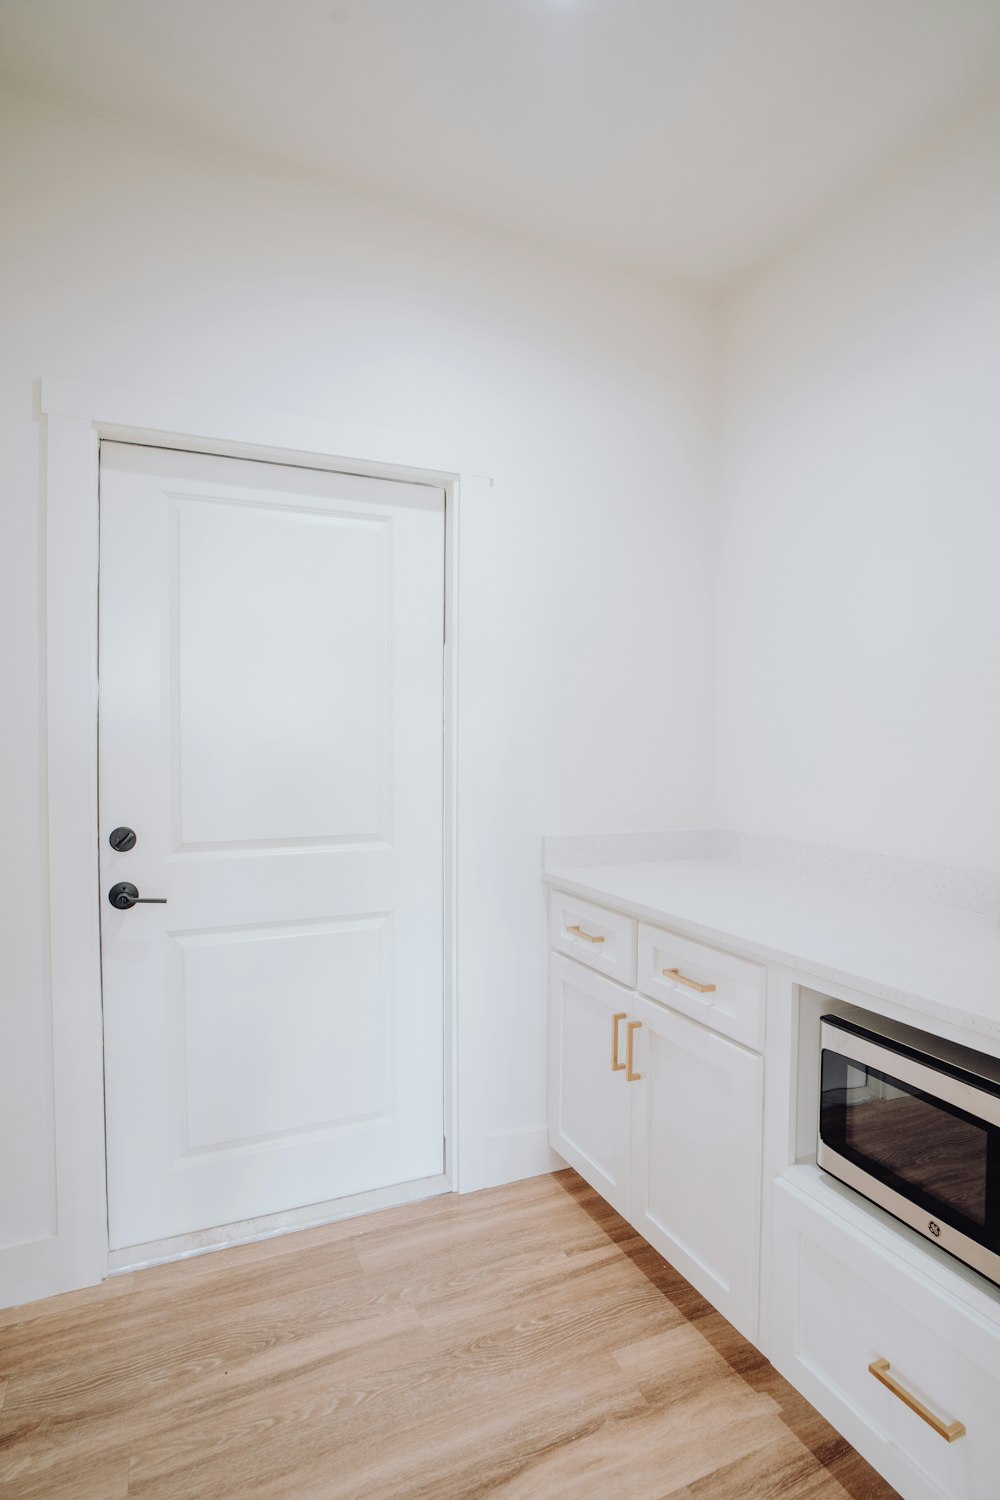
<point>656,1089</point>
<point>663,1118</point>
<point>843,1305</point>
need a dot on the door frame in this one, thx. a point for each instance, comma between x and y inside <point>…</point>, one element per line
<point>76,417</point>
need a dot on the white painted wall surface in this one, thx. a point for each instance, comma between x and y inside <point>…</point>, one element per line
<point>133,258</point>
<point>858,597</point>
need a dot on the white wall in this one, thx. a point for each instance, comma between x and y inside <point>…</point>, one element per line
<point>858,595</point>
<point>137,259</point>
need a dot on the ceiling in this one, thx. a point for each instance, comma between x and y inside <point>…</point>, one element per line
<point>687,139</point>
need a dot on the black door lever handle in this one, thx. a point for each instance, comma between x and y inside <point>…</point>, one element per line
<point>125,895</point>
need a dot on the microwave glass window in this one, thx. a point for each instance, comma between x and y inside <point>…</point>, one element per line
<point>922,1146</point>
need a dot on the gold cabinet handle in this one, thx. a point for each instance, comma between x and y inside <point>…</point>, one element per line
<point>616,1066</point>
<point>579,932</point>
<point>692,984</point>
<point>948,1430</point>
<point>630,1030</point>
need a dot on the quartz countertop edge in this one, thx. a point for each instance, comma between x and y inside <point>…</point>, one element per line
<point>935,961</point>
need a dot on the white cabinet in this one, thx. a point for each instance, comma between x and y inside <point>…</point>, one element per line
<point>589,1103</point>
<point>926,1416</point>
<point>657,1072</point>
<point>696,1157</point>
<point>663,1117</point>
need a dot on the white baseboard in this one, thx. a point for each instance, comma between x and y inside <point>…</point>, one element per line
<point>512,1155</point>
<point>31,1270</point>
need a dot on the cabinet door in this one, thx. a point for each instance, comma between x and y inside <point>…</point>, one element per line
<point>696,1156</point>
<point>589,1099</point>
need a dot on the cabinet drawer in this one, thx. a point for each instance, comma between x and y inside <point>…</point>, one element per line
<point>718,989</point>
<point>603,939</point>
<point>843,1304</point>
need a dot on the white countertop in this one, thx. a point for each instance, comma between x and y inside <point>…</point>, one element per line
<point>934,960</point>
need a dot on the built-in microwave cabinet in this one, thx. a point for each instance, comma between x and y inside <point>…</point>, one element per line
<point>663,1117</point>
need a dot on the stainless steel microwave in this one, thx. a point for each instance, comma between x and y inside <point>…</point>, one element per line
<point>913,1123</point>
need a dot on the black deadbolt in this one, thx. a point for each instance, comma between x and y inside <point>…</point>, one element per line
<point>122,839</point>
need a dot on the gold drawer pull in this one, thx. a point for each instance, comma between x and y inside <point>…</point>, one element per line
<point>579,932</point>
<point>616,1066</point>
<point>692,984</point>
<point>630,1030</point>
<point>948,1430</point>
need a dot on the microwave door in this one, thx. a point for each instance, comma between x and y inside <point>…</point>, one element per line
<point>918,1155</point>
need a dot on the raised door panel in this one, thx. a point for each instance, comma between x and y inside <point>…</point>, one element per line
<point>696,1158</point>
<point>589,1098</point>
<point>250,1073</point>
<point>280,674</point>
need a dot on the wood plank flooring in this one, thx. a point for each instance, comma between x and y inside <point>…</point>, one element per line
<point>522,1342</point>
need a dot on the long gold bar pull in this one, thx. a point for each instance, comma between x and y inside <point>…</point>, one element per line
<point>578,931</point>
<point>692,984</point>
<point>631,1075</point>
<point>616,1066</point>
<point>948,1430</point>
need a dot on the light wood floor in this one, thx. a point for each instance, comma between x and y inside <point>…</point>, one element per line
<point>522,1342</point>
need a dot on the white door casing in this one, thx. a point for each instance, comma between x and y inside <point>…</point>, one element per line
<point>271,726</point>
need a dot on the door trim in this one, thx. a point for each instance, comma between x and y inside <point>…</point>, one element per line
<point>76,416</point>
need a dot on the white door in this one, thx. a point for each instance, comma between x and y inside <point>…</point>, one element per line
<point>697,1158</point>
<point>271,707</point>
<point>589,1095</point>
